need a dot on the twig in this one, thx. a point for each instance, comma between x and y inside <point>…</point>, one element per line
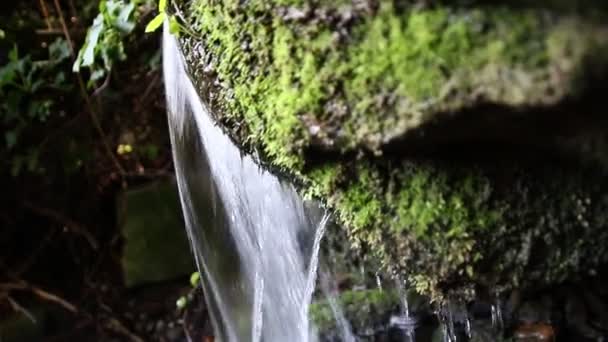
<point>103,86</point>
<point>86,97</point>
<point>149,88</point>
<point>64,27</point>
<point>18,308</point>
<point>42,294</point>
<point>186,26</point>
<point>53,298</point>
<point>54,31</point>
<point>45,14</point>
<point>68,223</point>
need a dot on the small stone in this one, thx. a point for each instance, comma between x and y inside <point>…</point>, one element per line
<point>174,334</point>
<point>314,129</point>
<point>160,325</point>
<point>538,332</point>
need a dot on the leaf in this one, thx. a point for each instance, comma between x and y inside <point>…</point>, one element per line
<point>13,55</point>
<point>174,26</point>
<point>11,139</point>
<point>92,38</point>
<point>156,22</point>
<point>98,74</point>
<point>123,22</point>
<point>59,50</point>
<point>86,56</point>
<point>162,6</point>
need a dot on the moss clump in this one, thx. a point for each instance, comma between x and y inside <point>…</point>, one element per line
<point>445,226</point>
<point>363,309</point>
<point>292,78</point>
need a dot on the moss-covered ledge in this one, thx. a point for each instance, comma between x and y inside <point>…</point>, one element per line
<point>339,76</point>
<point>319,89</point>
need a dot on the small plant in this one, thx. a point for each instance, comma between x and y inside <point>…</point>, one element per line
<point>30,89</point>
<point>195,282</point>
<point>176,26</point>
<point>104,43</point>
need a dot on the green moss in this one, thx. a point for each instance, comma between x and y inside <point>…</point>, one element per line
<point>362,309</point>
<point>391,70</point>
<point>289,87</point>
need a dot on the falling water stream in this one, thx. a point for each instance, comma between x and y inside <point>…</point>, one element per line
<point>255,241</point>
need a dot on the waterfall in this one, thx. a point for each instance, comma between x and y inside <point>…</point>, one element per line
<point>255,241</point>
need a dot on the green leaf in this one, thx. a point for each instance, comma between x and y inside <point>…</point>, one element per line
<point>195,279</point>
<point>156,22</point>
<point>86,56</point>
<point>162,6</point>
<point>181,302</point>
<point>59,50</point>
<point>11,139</point>
<point>123,21</point>
<point>174,26</point>
<point>13,55</point>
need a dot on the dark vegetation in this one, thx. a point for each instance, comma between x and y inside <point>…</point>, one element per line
<point>77,128</point>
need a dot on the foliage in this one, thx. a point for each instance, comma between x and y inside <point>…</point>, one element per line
<point>175,26</point>
<point>104,44</point>
<point>30,90</point>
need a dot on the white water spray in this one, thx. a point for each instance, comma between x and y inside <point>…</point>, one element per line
<point>255,241</point>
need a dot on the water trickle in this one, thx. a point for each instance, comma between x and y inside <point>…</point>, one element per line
<point>497,321</point>
<point>467,327</point>
<point>402,288</point>
<point>446,317</point>
<point>255,241</point>
<point>378,281</point>
<point>328,286</point>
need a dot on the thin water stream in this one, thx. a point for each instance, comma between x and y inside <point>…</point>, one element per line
<point>256,242</point>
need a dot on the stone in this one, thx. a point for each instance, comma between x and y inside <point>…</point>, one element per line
<point>155,243</point>
<point>451,139</point>
<point>538,332</point>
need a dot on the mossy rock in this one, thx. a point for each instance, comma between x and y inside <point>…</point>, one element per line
<point>155,243</point>
<point>330,93</point>
<point>363,309</point>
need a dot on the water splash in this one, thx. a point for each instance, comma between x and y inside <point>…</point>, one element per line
<point>378,281</point>
<point>255,241</point>
<point>467,327</point>
<point>328,287</point>
<point>314,265</point>
<point>446,317</point>
<point>402,288</point>
<point>497,320</point>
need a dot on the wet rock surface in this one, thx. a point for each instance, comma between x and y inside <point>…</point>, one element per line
<point>461,144</point>
<point>558,314</point>
<point>156,247</point>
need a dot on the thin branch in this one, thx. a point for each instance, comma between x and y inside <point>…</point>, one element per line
<point>40,293</point>
<point>45,14</point>
<point>49,32</point>
<point>87,98</point>
<point>103,86</point>
<point>66,222</point>
<point>53,298</point>
<point>18,308</point>
<point>64,27</point>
